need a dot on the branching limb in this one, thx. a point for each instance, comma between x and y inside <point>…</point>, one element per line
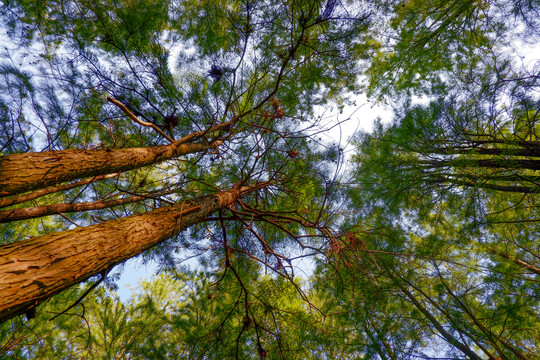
<point>137,120</point>
<point>103,274</point>
<point>52,209</point>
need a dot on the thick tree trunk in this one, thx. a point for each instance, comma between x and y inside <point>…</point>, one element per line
<point>31,171</point>
<point>33,270</point>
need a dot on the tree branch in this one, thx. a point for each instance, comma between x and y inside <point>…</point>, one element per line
<point>137,120</point>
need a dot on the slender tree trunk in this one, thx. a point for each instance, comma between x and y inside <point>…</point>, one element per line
<point>52,209</point>
<point>483,184</point>
<point>535,152</point>
<point>489,335</point>
<point>31,171</point>
<point>515,260</point>
<point>483,163</point>
<point>440,328</point>
<point>51,190</point>
<point>33,270</point>
<point>456,325</point>
<point>525,144</point>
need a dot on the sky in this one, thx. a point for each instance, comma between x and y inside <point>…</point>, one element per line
<point>359,118</point>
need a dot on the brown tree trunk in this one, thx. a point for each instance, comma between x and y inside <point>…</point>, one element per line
<point>440,328</point>
<point>31,171</point>
<point>33,270</point>
<point>484,163</point>
<point>515,260</point>
<point>51,190</point>
<point>52,209</point>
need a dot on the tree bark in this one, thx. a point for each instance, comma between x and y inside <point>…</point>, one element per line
<point>33,270</point>
<point>20,173</point>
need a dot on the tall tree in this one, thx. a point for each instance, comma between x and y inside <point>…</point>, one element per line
<point>451,148</point>
<point>447,199</point>
<point>139,112</point>
<point>35,269</point>
<point>177,314</point>
<point>436,250</point>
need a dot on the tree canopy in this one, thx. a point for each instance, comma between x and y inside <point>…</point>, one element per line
<point>186,129</point>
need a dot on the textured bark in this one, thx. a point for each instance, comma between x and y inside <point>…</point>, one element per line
<point>31,171</point>
<point>33,270</point>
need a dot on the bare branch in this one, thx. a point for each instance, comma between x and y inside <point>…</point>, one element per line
<point>137,120</point>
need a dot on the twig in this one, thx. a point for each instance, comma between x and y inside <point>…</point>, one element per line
<point>137,120</point>
<point>103,274</point>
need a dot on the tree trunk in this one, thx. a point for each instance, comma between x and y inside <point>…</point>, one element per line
<point>51,190</point>
<point>483,184</point>
<point>535,152</point>
<point>440,328</point>
<point>31,171</point>
<point>52,209</point>
<point>33,270</point>
<point>515,260</point>
<point>483,163</point>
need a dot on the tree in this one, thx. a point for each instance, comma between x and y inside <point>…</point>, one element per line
<point>430,248</point>
<point>177,314</point>
<point>34,171</point>
<point>423,45</point>
<point>447,210</point>
<point>39,267</point>
<point>431,288</point>
<point>112,82</point>
<point>450,148</point>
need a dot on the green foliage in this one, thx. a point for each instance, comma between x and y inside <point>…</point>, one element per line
<point>429,248</point>
<point>424,45</point>
<point>176,315</point>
